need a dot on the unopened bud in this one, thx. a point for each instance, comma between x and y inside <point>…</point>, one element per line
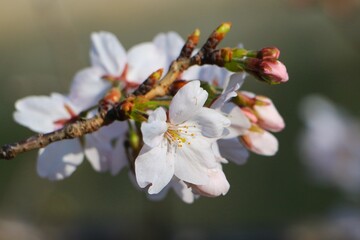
<point>176,85</point>
<point>269,53</point>
<point>273,72</point>
<point>269,117</point>
<point>262,109</point>
<point>113,95</point>
<point>260,141</point>
<point>222,30</point>
<point>134,140</point>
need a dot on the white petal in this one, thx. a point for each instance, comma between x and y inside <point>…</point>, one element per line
<point>154,167</point>
<point>261,143</point>
<point>217,185</point>
<point>192,161</point>
<point>235,82</point>
<point>153,130</point>
<point>216,150</point>
<point>170,43</point>
<point>215,75</point>
<point>187,102</point>
<point>98,152</point>
<point>118,159</point>
<point>228,92</point>
<point>40,112</point>
<point>158,115</point>
<point>143,60</point>
<point>88,88</point>
<point>183,191</point>
<point>99,148</point>
<point>60,159</point>
<point>107,53</point>
<point>210,122</point>
<point>233,150</point>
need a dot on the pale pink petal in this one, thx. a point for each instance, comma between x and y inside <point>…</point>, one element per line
<point>154,167</point>
<point>107,53</point>
<point>263,143</point>
<point>60,159</point>
<point>153,130</point>
<point>187,102</point>
<point>210,122</point>
<point>88,88</point>
<point>143,60</point>
<point>233,150</point>
<point>40,112</point>
<point>216,186</point>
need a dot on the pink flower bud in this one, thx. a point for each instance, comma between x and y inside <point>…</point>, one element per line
<point>268,116</point>
<point>270,71</point>
<point>269,53</point>
<point>260,141</point>
<point>217,185</point>
<point>273,71</point>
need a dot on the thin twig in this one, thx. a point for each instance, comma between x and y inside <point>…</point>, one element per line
<point>148,90</point>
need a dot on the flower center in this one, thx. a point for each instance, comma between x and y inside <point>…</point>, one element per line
<point>122,78</point>
<point>179,135</point>
<point>73,117</point>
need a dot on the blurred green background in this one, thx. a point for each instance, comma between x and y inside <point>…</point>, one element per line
<point>43,43</point>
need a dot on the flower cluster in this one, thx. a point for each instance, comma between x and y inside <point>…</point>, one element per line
<point>179,140</point>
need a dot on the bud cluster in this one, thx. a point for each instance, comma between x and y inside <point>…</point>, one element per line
<point>263,64</point>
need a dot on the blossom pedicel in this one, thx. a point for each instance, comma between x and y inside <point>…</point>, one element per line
<point>159,111</point>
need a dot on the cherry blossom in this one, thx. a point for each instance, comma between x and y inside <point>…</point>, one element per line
<point>59,160</point>
<point>111,64</point>
<point>179,144</point>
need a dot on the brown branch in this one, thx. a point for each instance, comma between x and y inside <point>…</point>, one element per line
<point>150,89</point>
<point>70,131</point>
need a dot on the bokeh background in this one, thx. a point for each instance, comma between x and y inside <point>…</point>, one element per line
<point>44,43</point>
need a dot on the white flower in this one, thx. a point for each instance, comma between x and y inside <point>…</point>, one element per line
<point>179,145</point>
<point>330,144</point>
<point>60,159</point>
<point>110,60</point>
